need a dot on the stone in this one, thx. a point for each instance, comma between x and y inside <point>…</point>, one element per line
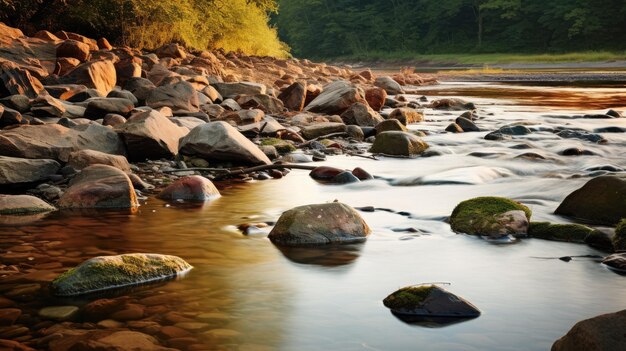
<point>15,80</point>
<point>398,144</point>
<point>99,75</point>
<point>100,107</point>
<point>73,49</point>
<point>514,130</point>
<point>559,232</point>
<point>429,301</point>
<point>336,98</point>
<point>171,50</point>
<point>331,223</point>
<point>231,90</point>
<point>263,102</point>
<point>467,125</point>
<point>140,88</point>
<point>59,313</point>
<point>390,125</point>
<point>83,94</point>
<point>123,94</point>
<point>180,97</point>
<point>53,141</point>
<point>320,129</point>
<point>601,333</point>
<point>375,98</point>
<point>454,128</point>
<point>389,85</point>
<point>9,117</point>
<point>23,204</point>
<point>47,106</point>
<point>452,104</point>
<point>20,170</point>
<point>601,200</point>
<point>582,135</point>
<point>8,316</point>
<point>294,96</point>
<point>619,240</point>
<point>99,186</point>
<point>103,44</point>
<point>192,188</point>
<point>19,103</point>
<point>109,272</point>
<point>497,136</point>
<point>325,173</point>
<point>113,120</point>
<point>406,115</point>
<point>281,146</point>
<point>601,239</point>
<point>99,340</point>
<point>150,135</point>
<point>85,158</point>
<point>616,262</point>
<point>361,114</point>
<point>220,141</point>
<point>345,178</point>
<point>355,132</point>
<point>494,217</point>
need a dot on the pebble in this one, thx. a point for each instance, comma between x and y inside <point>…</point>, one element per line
<point>61,313</point>
<point>8,316</point>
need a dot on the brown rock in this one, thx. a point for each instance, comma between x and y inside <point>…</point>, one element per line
<point>361,114</point>
<point>99,75</point>
<point>73,49</point>
<point>84,158</point>
<point>103,44</point>
<point>66,64</point>
<point>103,308</point>
<point>99,186</point>
<point>16,80</point>
<point>21,170</point>
<point>294,96</point>
<point>192,188</point>
<point>8,316</point>
<point>602,333</point>
<point>375,98</point>
<point>129,313</point>
<point>406,115</point>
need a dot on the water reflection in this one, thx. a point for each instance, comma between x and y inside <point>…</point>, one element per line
<point>328,256</point>
<point>430,322</point>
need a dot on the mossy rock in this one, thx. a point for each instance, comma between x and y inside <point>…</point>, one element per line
<point>576,233</point>
<point>492,216</point>
<point>619,240</point>
<point>601,200</point>
<point>431,301</point>
<point>109,272</point>
<point>398,144</point>
<point>282,146</point>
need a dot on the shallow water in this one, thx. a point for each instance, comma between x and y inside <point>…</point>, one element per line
<point>311,299</point>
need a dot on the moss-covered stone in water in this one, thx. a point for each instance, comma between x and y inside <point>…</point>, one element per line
<point>108,272</point>
<point>475,215</point>
<point>619,240</point>
<point>559,232</point>
<point>408,298</point>
<point>282,146</point>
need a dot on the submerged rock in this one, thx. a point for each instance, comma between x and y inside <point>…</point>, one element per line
<point>429,301</point>
<point>99,186</point>
<point>124,340</point>
<point>61,313</point>
<point>23,204</point>
<point>397,143</point>
<point>601,333</point>
<point>490,216</point>
<point>601,200</point>
<point>192,188</point>
<point>332,223</point>
<point>559,232</point>
<point>109,272</point>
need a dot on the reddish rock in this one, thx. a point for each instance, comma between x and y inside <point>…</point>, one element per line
<point>15,80</point>
<point>171,332</point>
<point>8,316</point>
<point>375,98</point>
<point>74,49</point>
<point>99,75</point>
<point>103,44</point>
<point>192,188</point>
<point>325,173</point>
<point>84,158</point>
<point>103,308</point>
<point>361,174</point>
<point>129,313</point>
<point>602,333</point>
<point>66,64</point>
<point>294,97</point>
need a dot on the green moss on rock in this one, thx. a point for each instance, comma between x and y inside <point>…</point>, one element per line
<point>282,146</point>
<point>108,272</point>
<point>559,232</point>
<point>619,240</point>
<point>479,216</point>
<point>408,298</point>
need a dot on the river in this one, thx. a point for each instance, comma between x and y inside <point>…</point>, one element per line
<point>247,294</point>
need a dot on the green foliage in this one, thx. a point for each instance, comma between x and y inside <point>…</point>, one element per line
<point>360,28</point>
<point>408,298</point>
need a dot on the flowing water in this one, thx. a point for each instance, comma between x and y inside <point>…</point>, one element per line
<point>250,295</point>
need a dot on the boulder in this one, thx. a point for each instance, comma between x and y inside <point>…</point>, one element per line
<point>110,272</point>
<point>85,158</point>
<point>582,135</point>
<point>429,301</point>
<point>616,262</point>
<point>325,173</point>
<point>9,117</point>
<point>193,188</point>
<point>514,130</point>
<point>324,128</point>
<point>231,90</point>
<point>47,106</point>
<point>100,107</point>
<point>619,240</point>
<point>406,115</point>
<point>20,170</point>
<point>22,204</point>
<point>73,49</point>
<point>150,135</point>
<point>389,85</point>
<point>171,50</point>
<point>454,128</point>
<point>53,141</point>
<point>103,44</point>
<point>467,125</point>
<point>559,232</point>
<point>222,142</point>
<point>99,75</point>
<point>332,223</point>
<point>263,102</point>
<point>294,96</point>
<point>140,87</point>
<point>602,333</point>
<point>494,217</point>
<point>20,103</point>
<point>99,186</point>
<point>180,97</point>
<point>336,98</point>
<point>375,98</point>
<point>398,144</point>
<point>452,104</point>
<point>601,200</point>
<point>16,80</point>
<point>390,125</point>
<point>361,114</point>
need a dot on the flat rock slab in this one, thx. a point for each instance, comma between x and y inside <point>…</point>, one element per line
<point>15,170</point>
<point>23,204</point>
<point>109,272</point>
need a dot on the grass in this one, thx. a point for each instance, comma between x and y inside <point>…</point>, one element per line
<point>497,58</point>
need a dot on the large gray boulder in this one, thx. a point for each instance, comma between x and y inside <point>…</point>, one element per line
<point>53,141</point>
<point>100,186</point>
<point>601,200</point>
<point>180,97</point>
<point>601,333</point>
<point>398,144</point>
<point>97,108</point>
<point>332,223</point>
<point>109,272</point>
<point>336,98</point>
<point>389,85</point>
<point>150,135</point>
<point>221,142</point>
<point>21,170</point>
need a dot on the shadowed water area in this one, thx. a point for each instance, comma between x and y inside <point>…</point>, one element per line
<point>246,294</point>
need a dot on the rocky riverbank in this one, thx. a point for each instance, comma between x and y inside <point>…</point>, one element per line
<point>86,126</point>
